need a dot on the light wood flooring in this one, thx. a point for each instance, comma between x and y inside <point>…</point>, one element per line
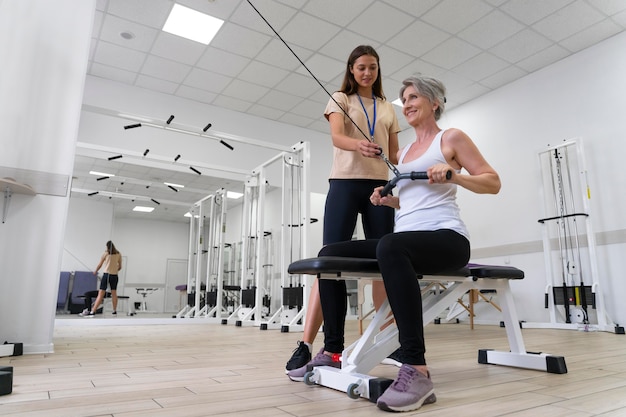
<point>103,368</point>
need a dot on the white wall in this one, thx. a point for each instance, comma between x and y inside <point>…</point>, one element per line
<point>43,71</point>
<point>580,96</point>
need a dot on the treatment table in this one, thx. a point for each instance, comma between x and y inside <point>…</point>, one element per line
<point>374,345</point>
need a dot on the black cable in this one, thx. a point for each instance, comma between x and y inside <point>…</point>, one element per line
<point>382,155</point>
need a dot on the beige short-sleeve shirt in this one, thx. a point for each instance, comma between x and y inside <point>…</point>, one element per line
<point>353,165</point>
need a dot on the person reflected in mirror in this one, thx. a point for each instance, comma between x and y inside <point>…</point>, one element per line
<point>111,261</point>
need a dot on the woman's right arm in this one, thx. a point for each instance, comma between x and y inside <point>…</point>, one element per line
<point>388,200</point>
<point>347,143</point>
<point>100,264</point>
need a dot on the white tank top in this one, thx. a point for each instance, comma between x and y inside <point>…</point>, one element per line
<point>425,206</point>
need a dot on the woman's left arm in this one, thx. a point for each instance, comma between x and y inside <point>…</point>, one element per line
<point>393,148</point>
<point>461,151</point>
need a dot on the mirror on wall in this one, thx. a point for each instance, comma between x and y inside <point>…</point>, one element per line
<point>154,243</point>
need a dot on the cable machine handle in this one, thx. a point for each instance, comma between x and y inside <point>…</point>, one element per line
<point>413,175</point>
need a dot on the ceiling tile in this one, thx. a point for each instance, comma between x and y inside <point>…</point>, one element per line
<point>340,46</point>
<point>543,58</point>
<point>206,80</point>
<point>531,11</point>
<point>220,9</point>
<point>118,57</point>
<point>155,84</point>
<point>490,30</point>
<point>239,40</point>
<point>177,49</point>
<point>263,74</point>
<point>412,7</point>
<point>609,7</point>
<point>343,12</point>
<point>299,85</point>
<point>481,66</point>
<point>323,68</point>
<point>265,112</point>
<point>276,52</point>
<point>453,16</point>
<point>232,103</point>
<point>369,22</point>
<point>451,53</point>
<point>308,31</point>
<point>520,46</point>
<point>278,15</point>
<point>407,40</point>
<point>113,26</point>
<point>418,66</point>
<point>567,21</point>
<point>620,19</point>
<point>222,62</point>
<point>591,35</point>
<point>251,92</point>
<point>308,108</point>
<point>151,13</point>
<point>279,100</point>
<point>165,69</point>
<point>295,120</point>
<point>196,94</point>
<point>503,77</point>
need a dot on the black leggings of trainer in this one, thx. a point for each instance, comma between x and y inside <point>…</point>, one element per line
<point>401,256</point>
<point>344,201</point>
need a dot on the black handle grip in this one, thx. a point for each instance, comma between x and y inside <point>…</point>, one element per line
<point>387,188</point>
<point>414,175</point>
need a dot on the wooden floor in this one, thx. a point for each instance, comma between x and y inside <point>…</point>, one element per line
<point>102,368</point>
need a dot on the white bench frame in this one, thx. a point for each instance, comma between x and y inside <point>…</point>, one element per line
<point>374,345</point>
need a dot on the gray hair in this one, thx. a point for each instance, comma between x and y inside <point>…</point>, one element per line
<point>432,89</point>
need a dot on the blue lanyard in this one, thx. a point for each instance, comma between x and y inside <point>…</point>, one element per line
<point>371,126</point>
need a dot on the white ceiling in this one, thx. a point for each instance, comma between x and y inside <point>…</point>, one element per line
<point>473,46</point>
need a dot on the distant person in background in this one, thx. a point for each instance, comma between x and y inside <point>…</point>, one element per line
<point>112,261</point>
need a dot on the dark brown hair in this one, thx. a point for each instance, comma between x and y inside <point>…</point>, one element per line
<point>111,248</point>
<point>349,85</point>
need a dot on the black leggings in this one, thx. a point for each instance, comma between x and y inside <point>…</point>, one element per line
<point>345,200</point>
<point>401,256</point>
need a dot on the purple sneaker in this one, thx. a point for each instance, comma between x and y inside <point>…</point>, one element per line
<point>408,392</point>
<point>319,360</point>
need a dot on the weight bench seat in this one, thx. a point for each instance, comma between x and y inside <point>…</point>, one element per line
<point>375,344</point>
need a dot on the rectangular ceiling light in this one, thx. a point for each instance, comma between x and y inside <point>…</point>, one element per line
<point>171,184</point>
<point>191,24</point>
<point>143,209</point>
<point>101,174</point>
<point>234,195</point>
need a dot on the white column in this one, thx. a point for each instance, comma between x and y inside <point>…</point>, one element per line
<point>44,47</point>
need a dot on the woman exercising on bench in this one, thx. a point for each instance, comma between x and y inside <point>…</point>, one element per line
<point>429,237</point>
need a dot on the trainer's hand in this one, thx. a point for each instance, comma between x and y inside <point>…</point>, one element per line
<point>369,149</point>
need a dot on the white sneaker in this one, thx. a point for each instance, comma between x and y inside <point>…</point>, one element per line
<point>84,313</point>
